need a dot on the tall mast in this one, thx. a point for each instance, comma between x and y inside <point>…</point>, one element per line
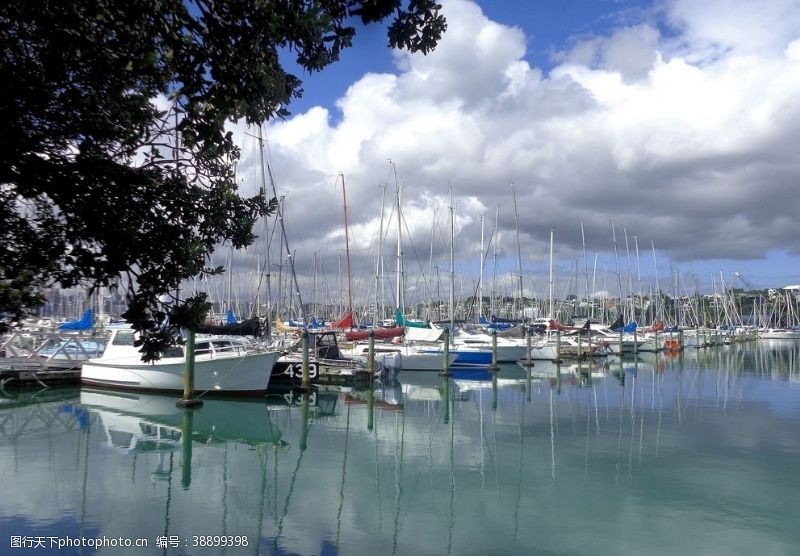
<point>379,264</point>
<point>519,248</point>
<point>494,262</point>
<point>452,263</point>
<point>638,268</point>
<point>628,259</point>
<point>616,259</point>
<point>551,288</point>
<point>266,225</point>
<point>585,262</point>
<point>314,304</point>
<point>594,281</point>
<point>430,265</point>
<point>480,276</point>
<point>288,251</point>
<point>658,288</point>
<point>347,252</point>
<point>229,270</point>
<point>279,297</point>
<point>399,287</point>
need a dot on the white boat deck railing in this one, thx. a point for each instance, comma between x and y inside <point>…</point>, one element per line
<point>21,350</point>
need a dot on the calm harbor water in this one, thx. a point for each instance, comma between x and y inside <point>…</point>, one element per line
<point>691,454</point>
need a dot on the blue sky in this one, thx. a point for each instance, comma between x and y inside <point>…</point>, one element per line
<point>551,26</point>
<point>676,120</point>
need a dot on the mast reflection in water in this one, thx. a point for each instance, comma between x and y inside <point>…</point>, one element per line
<point>687,454</point>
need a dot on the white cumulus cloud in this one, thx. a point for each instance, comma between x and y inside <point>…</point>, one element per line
<point>682,128</point>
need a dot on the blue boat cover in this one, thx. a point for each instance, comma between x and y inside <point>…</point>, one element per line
<point>230,317</point>
<point>84,323</point>
<point>494,324</point>
<point>630,328</point>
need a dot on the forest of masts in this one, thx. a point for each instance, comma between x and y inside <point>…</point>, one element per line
<point>731,307</point>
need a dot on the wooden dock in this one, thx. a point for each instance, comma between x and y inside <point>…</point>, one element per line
<point>31,377</point>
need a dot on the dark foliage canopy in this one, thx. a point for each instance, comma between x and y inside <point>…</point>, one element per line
<point>115,166</point>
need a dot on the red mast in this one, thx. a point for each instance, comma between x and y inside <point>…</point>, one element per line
<point>347,254</point>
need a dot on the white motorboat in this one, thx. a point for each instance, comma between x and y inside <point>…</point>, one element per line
<point>223,365</point>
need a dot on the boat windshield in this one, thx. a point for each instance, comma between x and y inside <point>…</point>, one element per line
<point>213,347</point>
<point>123,338</point>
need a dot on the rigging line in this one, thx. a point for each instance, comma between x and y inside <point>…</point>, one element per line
<point>286,246</point>
<point>483,264</point>
<point>347,249</point>
<point>422,274</point>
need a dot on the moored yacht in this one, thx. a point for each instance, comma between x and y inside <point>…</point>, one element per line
<point>223,365</point>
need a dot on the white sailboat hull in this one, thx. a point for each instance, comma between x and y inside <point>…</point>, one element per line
<point>547,351</point>
<point>411,357</point>
<point>779,334</point>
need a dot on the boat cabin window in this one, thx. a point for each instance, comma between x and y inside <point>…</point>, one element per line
<point>222,346</point>
<point>160,432</point>
<point>326,346</point>
<point>123,338</point>
<point>120,439</point>
<point>326,339</point>
<point>202,347</point>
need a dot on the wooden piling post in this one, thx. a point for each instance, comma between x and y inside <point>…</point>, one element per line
<point>446,354</point>
<point>371,352</point>
<point>558,345</point>
<point>371,357</point>
<point>589,342</point>
<point>528,345</point>
<point>188,375</point>
<point>306,375</point>
<point>494,366</point>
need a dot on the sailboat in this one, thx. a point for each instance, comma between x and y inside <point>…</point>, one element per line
<point>413,355</point>
<point>474,349</point>
<point>326,361</point>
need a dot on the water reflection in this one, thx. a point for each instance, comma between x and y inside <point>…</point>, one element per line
<point>653,454</point>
